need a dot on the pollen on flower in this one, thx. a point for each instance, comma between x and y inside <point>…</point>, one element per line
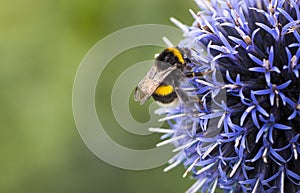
<point>242,135</point>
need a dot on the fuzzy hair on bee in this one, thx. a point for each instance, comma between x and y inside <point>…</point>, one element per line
<point>163,80</point>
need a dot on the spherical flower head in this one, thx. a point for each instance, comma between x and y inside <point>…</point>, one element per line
<point>243,134</point>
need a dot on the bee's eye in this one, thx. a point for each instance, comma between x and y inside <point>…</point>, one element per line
<point>187,60</point>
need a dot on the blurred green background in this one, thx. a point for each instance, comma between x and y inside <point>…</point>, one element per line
<point>42,45</point>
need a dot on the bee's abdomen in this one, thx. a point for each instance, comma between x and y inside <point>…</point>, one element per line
<point>164,94</point>
<point>164,90</point>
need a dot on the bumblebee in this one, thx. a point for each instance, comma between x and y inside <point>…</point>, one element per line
<point>162,82</point>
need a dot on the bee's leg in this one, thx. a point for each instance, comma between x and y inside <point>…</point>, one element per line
<point>193,74</point>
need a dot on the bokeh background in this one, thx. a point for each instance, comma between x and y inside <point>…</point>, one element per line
<point>42,44</point>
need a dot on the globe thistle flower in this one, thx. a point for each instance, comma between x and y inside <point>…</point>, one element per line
<point>243,135</point>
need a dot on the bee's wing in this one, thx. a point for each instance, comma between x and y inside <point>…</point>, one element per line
<point>150,82</point>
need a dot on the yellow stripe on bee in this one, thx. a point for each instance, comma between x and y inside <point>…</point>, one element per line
<point>164,90</point>
<point>176,53</point>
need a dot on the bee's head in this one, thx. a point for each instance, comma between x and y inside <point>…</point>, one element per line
<point>173,56</point>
